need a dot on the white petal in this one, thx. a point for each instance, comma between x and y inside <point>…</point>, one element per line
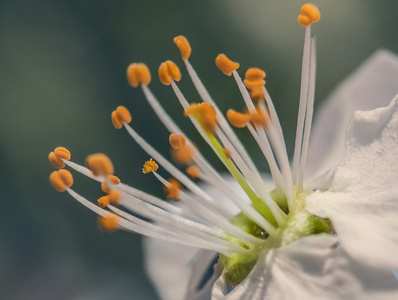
<point>167,265</point>
<point>373,85</point>
<point>310,268</point>
<point>362,192</point>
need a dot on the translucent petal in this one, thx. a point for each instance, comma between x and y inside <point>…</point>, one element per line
<point>360,195</point>
<point>373,85</point>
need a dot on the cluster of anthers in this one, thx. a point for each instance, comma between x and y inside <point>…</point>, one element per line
<point>203,222</point>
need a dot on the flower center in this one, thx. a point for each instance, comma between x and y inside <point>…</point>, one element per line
<point>299,224</point>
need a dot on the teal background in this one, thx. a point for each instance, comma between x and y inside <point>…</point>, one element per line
<point>62,67</point>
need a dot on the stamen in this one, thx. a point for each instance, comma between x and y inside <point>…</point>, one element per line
<point>150,166</point>
<point>113,179</point>
<point>114,197</point>
<point>193,172</point>
<point>138,74</point>
<point>104,201</point>
<point>183,44</point>
<point>172,190</point>
<point>61,180</point>
<point>309,14</point>
<point>119,116</point>
<point>259,118</point>
<point>308,115</point>
<point>169,71</point>
<point>109,223</point>
<point>99,164</point>
<point>226,65</point>
<point>237,119</point>
<point>257,95</point>
<point>254,78</point>
<point>183,156</point>
<point>177,141</point>
<point>56,158</point>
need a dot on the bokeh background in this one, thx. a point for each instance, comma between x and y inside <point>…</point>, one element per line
<point>62,66</point>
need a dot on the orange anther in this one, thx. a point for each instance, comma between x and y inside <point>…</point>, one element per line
<point>109,223</point>
<point>254,84</point>
<point>183,155</point>
<point>209,117</point>
<point>257,95</point>
<point>205,113</point>
<point>150,166</point>
<point>60,180</point>
<point>99,164</point>
<point>56,158</point>
<point>259,118</point>
<point>227,152</point>
<point>173,190</point>
<point>104,201</point>
<point>183,44</point>
<point>114,197</point>
<point>169,71</point>
<point>193,172</point>
<point>138,73</point>
<point>309,14</point>
<point>177,140</point>
<point>226,65</point>
<point>254,74</point>
<point>237,119</point>
<point>113,179</point>
<point>119,116</point>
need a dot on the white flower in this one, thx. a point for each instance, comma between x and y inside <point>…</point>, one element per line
<point>333,237</point>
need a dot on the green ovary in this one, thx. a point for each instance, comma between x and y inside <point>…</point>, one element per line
<point>299,223</point>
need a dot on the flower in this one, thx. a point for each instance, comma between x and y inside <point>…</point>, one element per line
<point>295,240</point>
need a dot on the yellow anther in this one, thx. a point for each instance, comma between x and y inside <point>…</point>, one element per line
<point>254,84</point>
<point>104,201</point>
<point>138,73</point>
<point>150,166</point>
<point>113,179</point>
<point>183,156</point>
<point>309,14</point>
<point>237,119</point>
<point>193,172</point>
<point>56,157</point>
<point>114,197</point>
<point>119,116</point>
<point>257,95</point>
<point>259,119</point>
<point>226,65</point>
<point>169,71</point>
<point>173,190</point>
<point>99,164</point>
<point>254,74</point>
<point>109,224</point>
<point>183,44</point>
<point>227,152</point>
<point>60,180</point>
<point>177,140</point>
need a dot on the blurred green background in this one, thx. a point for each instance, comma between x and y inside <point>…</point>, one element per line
<point>62,72</point>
